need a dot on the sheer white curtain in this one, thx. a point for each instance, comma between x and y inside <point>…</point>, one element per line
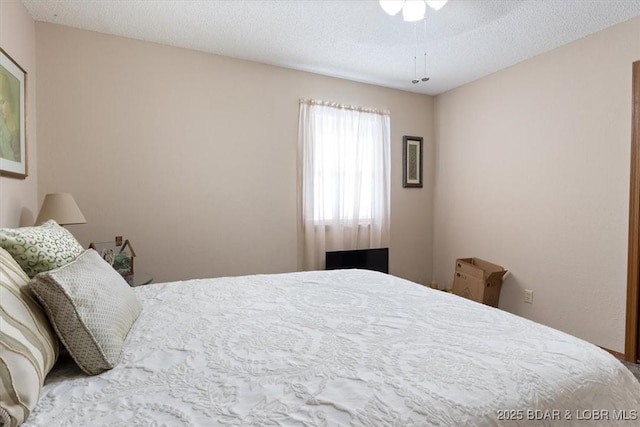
<point>343,179</point>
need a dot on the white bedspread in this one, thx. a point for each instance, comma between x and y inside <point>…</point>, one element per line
<point>352,348</point>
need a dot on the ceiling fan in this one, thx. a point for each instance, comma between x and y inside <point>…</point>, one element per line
<point>412,10</point>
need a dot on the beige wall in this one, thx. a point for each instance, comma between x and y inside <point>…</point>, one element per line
<point>193,156</point>
<point>533,174</point>
<point>18,197</point>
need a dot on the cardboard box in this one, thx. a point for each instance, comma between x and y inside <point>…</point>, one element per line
<point>478,280</point>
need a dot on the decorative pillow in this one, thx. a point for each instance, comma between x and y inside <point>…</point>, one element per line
<point>28,344</point>
<point>40,248</point>
<point>91,308</point>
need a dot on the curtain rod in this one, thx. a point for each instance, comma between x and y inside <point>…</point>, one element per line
<point>309,101</point>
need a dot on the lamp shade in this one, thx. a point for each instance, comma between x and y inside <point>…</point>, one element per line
<point>413,10</point>
<point>392,7</point>
<point>436,4</point>
<point>62,208</point>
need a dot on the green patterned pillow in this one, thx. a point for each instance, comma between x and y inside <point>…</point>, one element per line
<point>41,248</point>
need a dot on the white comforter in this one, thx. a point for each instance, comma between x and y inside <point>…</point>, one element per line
<point>352,348</point>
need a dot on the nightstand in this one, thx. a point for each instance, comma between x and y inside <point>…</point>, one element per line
<point>139,279</point>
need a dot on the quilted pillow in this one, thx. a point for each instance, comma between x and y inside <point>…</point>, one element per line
<point>40,248</point>
<point>91,308</point>
<point>28,344</point>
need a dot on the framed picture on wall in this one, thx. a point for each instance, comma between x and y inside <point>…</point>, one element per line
<point>412,161</point>
<point>13,138</point>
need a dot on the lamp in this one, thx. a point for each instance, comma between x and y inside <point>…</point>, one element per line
<point>392,7</point>
<point>62,208</point>
<point>436,4</point>
<point>412,10</point>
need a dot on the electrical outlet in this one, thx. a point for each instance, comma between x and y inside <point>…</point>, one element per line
<point>528,296</point>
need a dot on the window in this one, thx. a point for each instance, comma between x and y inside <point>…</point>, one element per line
<point>344,156</point>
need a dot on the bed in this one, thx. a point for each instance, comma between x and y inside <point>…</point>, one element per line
<point>320,348</point>
<point>329,348</point>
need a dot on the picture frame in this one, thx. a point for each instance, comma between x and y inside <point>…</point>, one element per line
<point>13,136</point>
<point>118,254</point>
<point>412,161</point>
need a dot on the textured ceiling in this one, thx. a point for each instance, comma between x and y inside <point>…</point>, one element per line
<point>356,40</point>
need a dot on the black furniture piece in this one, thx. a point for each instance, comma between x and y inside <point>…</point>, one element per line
<point>366,259</point>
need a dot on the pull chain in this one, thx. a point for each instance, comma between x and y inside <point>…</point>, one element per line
<point>415,55</point>
<point>425,78</point>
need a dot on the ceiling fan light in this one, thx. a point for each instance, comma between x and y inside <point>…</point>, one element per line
<point>413,10</point>
<point>392,7</point>
<point>436,4</point>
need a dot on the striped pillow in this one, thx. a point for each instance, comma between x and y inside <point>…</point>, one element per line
<point>28,344</point>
